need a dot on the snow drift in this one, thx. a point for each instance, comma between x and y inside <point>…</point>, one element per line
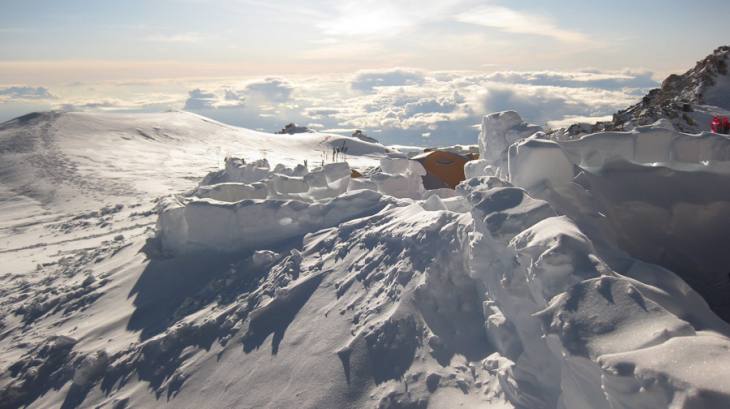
<point>656,189</point>
<point>560,274</point>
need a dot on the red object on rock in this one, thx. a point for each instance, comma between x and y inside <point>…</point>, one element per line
<point>715,125</point>
<point>720,125</point>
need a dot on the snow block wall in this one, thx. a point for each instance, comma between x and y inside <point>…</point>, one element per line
<point>210,225</point>
<point>609,337</point>
<point>658,190</point>
<point>499,131</point>
<point>250,206</point>
<point>647,145</point>
<point>400,177</point>
<point>536,162</point>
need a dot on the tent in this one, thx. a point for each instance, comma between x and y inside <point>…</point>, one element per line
<point>443,169</point>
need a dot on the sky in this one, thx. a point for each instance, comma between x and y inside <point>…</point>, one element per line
<point>408,72</point>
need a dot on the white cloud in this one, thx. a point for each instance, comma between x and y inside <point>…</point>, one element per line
<point>514,21</point>
<point>398,105</point>
<point>199,100</point>
<point>271,89</point>
<point>25,93</point>
<point>368,80</point>
<point>549,103</point>
<point>382,17</point>
<point>580,79</point>
<point>570,120</point>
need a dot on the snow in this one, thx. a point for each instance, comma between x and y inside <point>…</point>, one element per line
<point>212,225</point>
<point>534,162</point>
<point>589,311</point>
<point>685,372</point>
<point>400,177</point>
<point>499,131</point>
<point>479,167</point>
<point>233,191</point>
<point>167,260</point>
<point>648,145</point>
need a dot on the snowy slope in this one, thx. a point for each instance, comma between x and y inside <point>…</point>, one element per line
<point>143,268</point>
<point>74,170</point>
<point>55,156</point>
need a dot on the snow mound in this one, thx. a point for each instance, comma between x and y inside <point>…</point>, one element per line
<point>683,372</point>
<point>250,206</point>
<point>536,162</point>
<point>652,192</point>
<point>400,177</point>
<point>589,311</point>
<point>232,191</point>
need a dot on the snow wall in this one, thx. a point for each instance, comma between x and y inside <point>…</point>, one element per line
<point>662,191</point>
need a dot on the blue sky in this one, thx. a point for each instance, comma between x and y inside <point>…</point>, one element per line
<point>148,55</point>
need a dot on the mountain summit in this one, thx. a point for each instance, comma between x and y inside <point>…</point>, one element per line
<point>688,101</point>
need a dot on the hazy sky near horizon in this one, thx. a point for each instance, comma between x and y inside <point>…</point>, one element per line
<point>163,54</point>
<point>45,41</point>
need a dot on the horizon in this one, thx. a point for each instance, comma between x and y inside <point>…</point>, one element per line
<point>407,73</point>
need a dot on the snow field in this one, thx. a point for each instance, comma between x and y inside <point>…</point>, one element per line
<point>282,284</point>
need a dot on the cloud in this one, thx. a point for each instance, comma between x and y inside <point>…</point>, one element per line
<point>320,112</point>
<point>96,105</point>
<point>398,105</point>
<point>514,21</point>
<point>409,106</point>
<point>368,80</point>
<point>570,120</point>
<point>199,99</point>
<point>232,95</point>
<point>549,103</point>
<point>583,79</point>
<point>270,89</point>
<point>426,105</point>
<point>25,92</point>
<point>382,18</point>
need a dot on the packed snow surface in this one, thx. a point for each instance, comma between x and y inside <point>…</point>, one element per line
<point>172,261</point>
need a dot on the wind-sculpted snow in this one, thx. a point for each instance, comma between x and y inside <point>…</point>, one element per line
<point>653,192</point>
<point>251,206</point>
<point>211,225</point>
<point>589,312</point>
<point>526,281</point>
<point>292,282</point>
<point>648,145</point>
<point>499,131</point>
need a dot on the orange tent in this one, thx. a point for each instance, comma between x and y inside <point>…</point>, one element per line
<point>443,169</point>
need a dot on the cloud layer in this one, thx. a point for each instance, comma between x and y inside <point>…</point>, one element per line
<point>518,22</point>
<point>396,105</point>
<point>25,92</point>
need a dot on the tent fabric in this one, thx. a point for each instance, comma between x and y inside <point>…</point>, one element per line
<point>443,169</point>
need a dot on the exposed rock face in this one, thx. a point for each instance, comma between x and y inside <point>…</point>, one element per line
<point>677,99</point>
